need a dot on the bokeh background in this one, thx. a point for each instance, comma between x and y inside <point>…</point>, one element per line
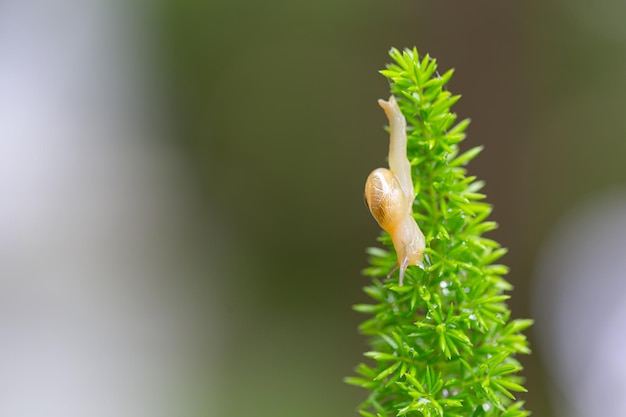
<point>182,226</point>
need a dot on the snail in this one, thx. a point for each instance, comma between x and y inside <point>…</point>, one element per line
<point>389,195</point>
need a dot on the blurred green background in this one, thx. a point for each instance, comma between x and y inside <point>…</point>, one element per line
<point>275,102</point>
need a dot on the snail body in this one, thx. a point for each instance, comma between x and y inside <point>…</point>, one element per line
<point>389,195</point>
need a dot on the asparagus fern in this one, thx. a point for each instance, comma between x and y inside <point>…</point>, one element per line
<point>443,344</point>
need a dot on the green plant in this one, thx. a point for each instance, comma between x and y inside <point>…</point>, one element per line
<point>443,344</point>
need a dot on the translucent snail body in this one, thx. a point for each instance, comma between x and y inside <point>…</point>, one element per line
<point>389,194</point>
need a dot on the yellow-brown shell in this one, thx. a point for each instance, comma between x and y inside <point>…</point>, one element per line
<point>385,199</point>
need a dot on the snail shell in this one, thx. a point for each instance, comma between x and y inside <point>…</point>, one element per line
<point>384,198</point>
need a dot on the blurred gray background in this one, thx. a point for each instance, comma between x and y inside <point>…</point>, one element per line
<point>182,225</point>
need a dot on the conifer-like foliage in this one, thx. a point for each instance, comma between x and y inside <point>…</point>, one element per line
<point>443,344</point>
